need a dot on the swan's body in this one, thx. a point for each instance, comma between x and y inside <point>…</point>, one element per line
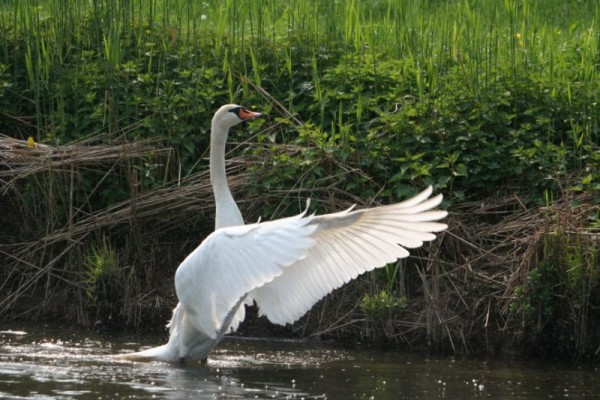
<point>284,266</point>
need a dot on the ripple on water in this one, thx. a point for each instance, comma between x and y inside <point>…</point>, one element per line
<point>66,364</point>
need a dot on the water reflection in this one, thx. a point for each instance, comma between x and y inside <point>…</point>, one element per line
<point>63,364</point>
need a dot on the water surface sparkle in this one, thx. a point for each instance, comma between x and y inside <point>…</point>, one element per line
<point>54,363</point>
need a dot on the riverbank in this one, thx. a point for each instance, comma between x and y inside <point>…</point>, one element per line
<point>504,278</point>
<point>104,113</point>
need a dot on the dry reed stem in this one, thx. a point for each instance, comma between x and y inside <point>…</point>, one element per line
<point>20,160</point>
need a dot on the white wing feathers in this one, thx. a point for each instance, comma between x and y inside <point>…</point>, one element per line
<point>288,265</point>
<point>348,244</point>
<point>233,261</point>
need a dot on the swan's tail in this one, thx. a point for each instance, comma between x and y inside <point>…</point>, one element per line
<point>168,352</point>
<point>160,353</point>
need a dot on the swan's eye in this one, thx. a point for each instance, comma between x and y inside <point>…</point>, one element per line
<point>236,110</point>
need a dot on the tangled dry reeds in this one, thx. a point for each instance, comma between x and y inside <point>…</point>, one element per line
<point>504,272</point>
<point>45,245</point>
<point>504,277</point>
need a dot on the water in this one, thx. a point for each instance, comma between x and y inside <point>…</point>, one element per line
<point>51,363</point>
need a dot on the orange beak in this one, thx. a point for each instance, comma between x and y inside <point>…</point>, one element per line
<point>247,114</point>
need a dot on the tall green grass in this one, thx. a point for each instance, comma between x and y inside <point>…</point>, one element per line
<point>552,39</point>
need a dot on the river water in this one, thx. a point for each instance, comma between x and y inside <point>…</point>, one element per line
<point>61,363</point>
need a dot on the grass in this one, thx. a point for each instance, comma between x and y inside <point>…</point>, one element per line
<point>370,100</point>
<point>482,38</point>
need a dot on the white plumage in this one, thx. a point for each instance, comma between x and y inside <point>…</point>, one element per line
<point>284,266</point>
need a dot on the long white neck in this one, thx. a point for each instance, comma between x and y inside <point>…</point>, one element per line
<point>227,212</point>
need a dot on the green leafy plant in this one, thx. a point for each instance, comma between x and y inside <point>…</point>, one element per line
<point>103,279</point>
<point>382,304</point>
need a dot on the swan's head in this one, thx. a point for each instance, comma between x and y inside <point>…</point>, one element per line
<point>231,114</point>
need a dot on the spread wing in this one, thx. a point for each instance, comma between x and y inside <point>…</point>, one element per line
<point>288,265</point>
<point>233,261</point>
<point>348,244</point>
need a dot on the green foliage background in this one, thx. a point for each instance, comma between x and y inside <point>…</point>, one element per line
<point>468,96</point>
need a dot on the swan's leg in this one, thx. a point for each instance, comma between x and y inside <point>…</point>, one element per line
<point>182,361</point>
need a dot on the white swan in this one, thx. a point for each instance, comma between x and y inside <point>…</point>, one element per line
<point>284,266</point>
